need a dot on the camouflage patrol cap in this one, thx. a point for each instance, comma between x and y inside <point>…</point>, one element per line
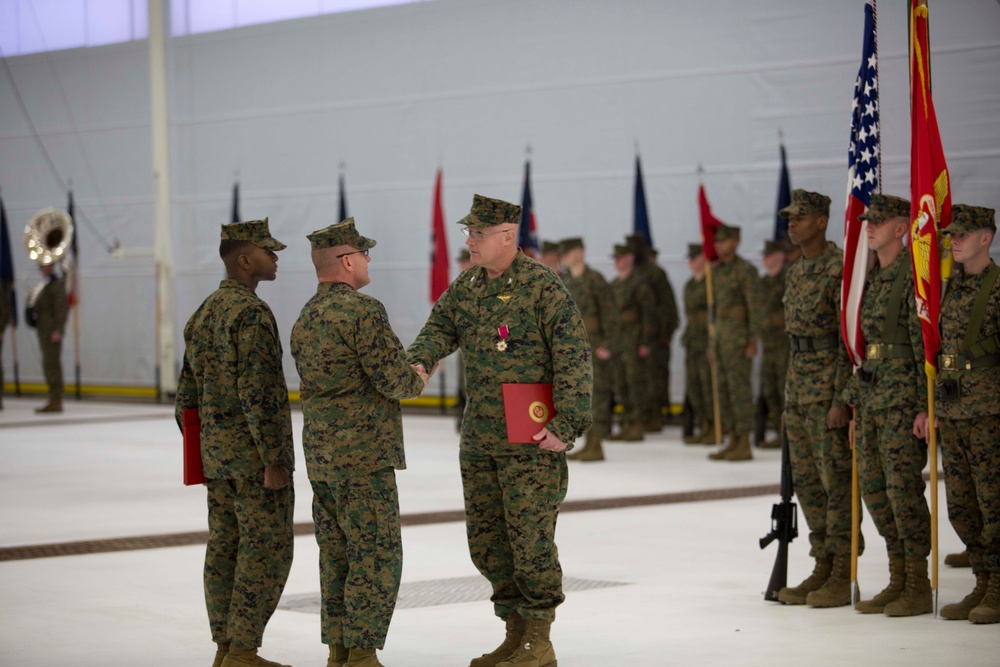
<point>570,244</point>
<point>254,231</point>
<point>464,255</point>
<point>774,246</point>
<point>550,246</point>
<point>965,219</point>
<point>694,249</point>
<point>622,250</point>
<point>724,232</point>
<point>487,212</point>
<point>342,233</point>
<point>886,207</point>
<point>804,202</point>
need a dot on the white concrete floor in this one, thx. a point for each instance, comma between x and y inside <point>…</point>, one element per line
<point>694,572</point>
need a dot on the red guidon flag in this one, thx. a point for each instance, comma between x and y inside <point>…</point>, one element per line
<point>439,245</point>
<point>930,192</point>
<point>709,223</point>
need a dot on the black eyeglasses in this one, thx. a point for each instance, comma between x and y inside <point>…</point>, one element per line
<point>354,252</point>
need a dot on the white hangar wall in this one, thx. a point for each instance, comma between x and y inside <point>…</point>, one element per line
<point>467,85</point>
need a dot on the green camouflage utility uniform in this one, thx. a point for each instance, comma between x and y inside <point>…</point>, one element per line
<point>697,372</point>
<point>232,374</point>
<point>970,423</point>
<point>891,459</point>
<point>52,309</point>
<point>667,321</point>
<point>354,371</point>
<point>513,491</point>
<point>635,312</point>
<point>819,370</point>
<point>739,320</point>
<point>774,359</point>
<point>593,297</point>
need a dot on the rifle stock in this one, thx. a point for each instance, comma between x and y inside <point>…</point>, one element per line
<point>784,525</point>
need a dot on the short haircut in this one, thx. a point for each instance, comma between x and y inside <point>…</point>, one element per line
<point>229,248</point>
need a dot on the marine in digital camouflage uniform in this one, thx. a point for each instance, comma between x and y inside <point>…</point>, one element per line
<point>592,295</point>
<point>890,394</point>
<point>697,372</point>
<point>968,407</point>
<point>354,372</point>
<point>514,322</point>
<point>49,303</point>
<point>232,374</point>
<point>774,358</point>
<point>667,321</point>
<point>739,316</point>
<point>637,326</point>
<point>550,256</point>
<point>815,416</point>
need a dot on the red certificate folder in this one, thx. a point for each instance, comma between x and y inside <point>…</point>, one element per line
<point>194,472</point>
<point>527,408</point>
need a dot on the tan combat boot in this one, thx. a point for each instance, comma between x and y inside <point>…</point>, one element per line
<point>720,454</point>
<point>702,434</point>
<point>535,649</point>
<point>958,560</point>
<point>247,657</point>
<point>988,610</point>
<point>654,423</point>
<point>338,655</point>
<point>740,451</point>
<point>622,430</point>
<point>708,435</point>
<point>773,443</point>
<point>54,405</point>
<point>836,591</point>
<point>634,432</point>
<point>511,642</point>
<point>220,653</point>
<point>798,594</point>
<point>897,582</point>
<point>959,611</point>
<point>917,597</point>
<point>591,450</point>
<point>362,657</point>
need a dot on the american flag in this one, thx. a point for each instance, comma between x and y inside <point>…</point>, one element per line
<point>864,156</point>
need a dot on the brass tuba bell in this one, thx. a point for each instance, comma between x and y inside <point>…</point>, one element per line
<point>48,236</point>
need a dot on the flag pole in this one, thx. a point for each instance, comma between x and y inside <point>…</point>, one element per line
<point>712,367</point>
<point>933,457</point>
<point>17,366</point>
<point>855,515</point>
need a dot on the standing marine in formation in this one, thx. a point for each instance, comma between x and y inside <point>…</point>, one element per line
<point>968,407</point>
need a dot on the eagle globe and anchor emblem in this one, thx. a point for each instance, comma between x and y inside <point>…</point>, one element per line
<point>539,412</point>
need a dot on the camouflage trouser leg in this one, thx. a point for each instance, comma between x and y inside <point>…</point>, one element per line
<point>773,366</point>
<point>821,475</point>
<point>511,505</point>
<point>735,390</point>
<point>631,383</point>
<point>248,557</point>
<point>971,452</point>
<point>891,462</point>
<point>657,377</point>
<point>601,401</point>
<point>360,557</point>
<point>698,384</point>
<point>52,365</point>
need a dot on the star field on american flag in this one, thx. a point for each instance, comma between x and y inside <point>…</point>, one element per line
<point>864,152</point>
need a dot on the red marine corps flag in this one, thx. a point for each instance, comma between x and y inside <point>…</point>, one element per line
<point>709,223</point>
<point>930,192</point>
